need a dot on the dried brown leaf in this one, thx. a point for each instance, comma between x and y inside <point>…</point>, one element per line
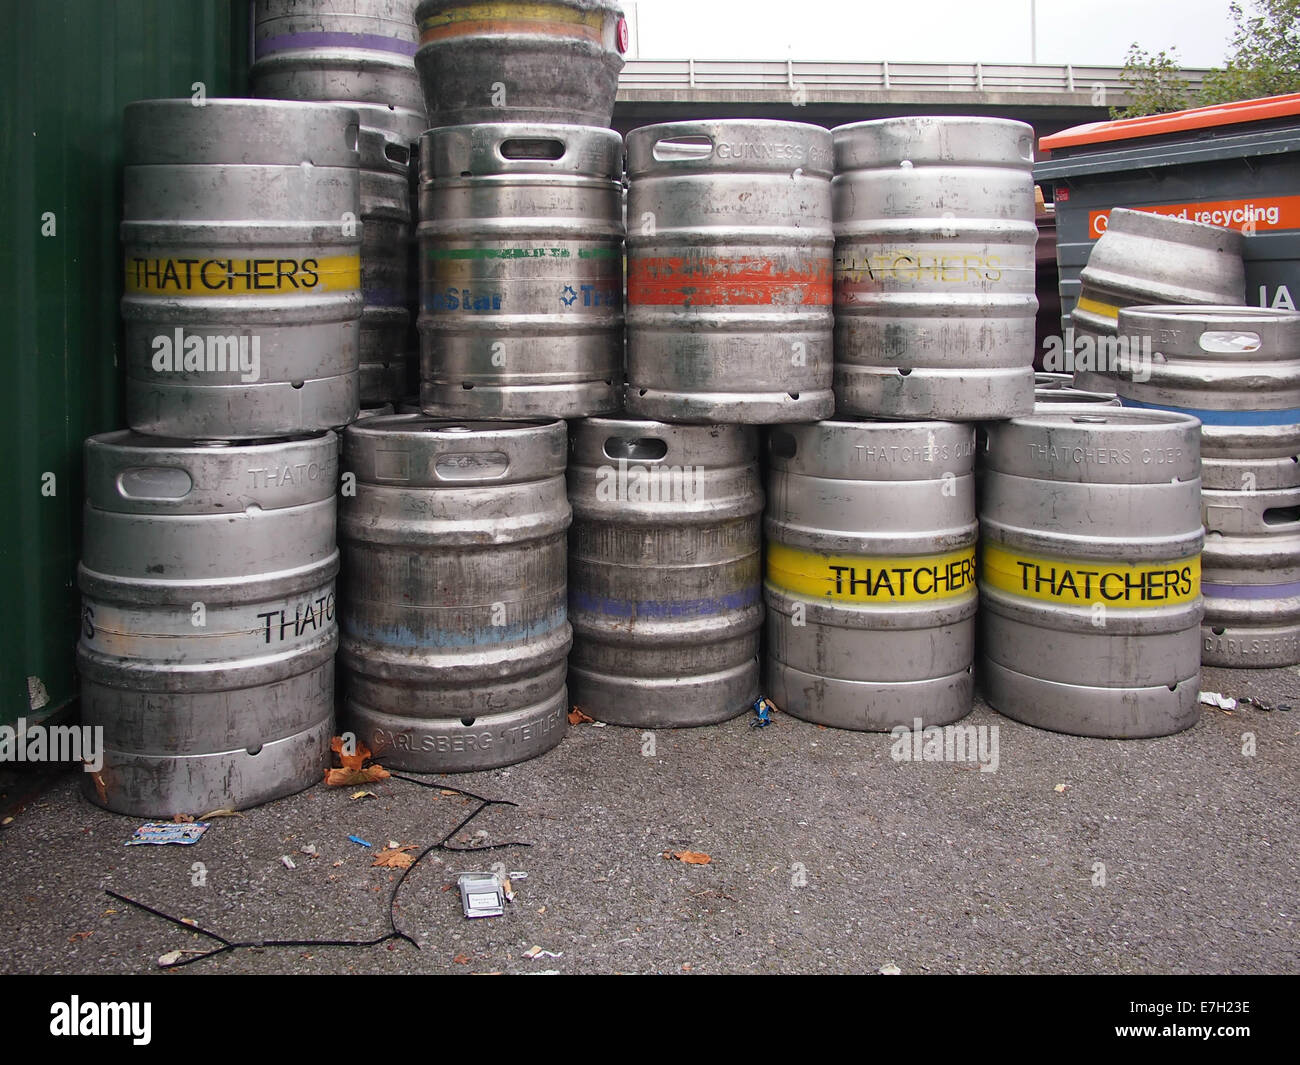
<point>689,857</point>
<point>578,717</point>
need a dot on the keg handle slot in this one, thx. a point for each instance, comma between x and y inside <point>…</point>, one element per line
<point>1274,516</point>
<point>154,482</point>
<point>642,449</point>
<point>352,138</point>
<point>549,148</point>
<point>397,153</point>
<point>683,149</point>
<point>1228,340</point>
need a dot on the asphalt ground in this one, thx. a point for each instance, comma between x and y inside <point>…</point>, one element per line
<point>1174,855</point>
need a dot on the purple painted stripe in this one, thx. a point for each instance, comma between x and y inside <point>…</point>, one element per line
<point>375,42</point>
<point>1250,591</point>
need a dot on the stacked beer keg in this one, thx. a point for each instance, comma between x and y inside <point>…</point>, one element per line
<point>360,53</point>
<point>209,612</point>
<point>455,631</point>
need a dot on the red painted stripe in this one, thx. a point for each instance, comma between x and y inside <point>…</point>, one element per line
<point>716,281</point>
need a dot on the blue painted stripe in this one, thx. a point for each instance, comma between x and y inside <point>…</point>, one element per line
<point>491,636</point>
<point>1250,591</point>
<point>1225,417</point>
<point>653,609</point>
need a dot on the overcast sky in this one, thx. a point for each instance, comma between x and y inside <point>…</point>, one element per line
<point>1084,32</point>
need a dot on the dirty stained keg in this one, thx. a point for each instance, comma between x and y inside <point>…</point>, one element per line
<point>1251,578</point>
<point>1237,369</point>
<point>664,571</point>
<point>1055,388</point>
<point>499,61</point>
<point>521,272</point>
<point>729,272</point>
<point>242,265</point>
<point>208,619</point>
<point>1089,576</point>
<point>453,613</point>
<point>1144,258</point>
<point>385,265</point>
<point>352,51</point>
<point>870,583</point>
<point>934,268</point>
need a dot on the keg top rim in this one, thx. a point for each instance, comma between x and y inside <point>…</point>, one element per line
<point>434,424</point>
<point>245,103</point>
<point>1129,216</point>
<point>1128,419</point>
<point>912,120</point>
<point>1212,312</point>
<point>130,440</point>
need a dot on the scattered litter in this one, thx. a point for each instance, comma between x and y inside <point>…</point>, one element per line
<point>354,769</point>
<point>362,795</point>
<point>288,862</point>
<point>577,717</point>
<point>890,969</point>
<point>518,875</point>
<point>173,956</point>
<point>338,863</point>
<point>309,850</point>
<point>6,821</point>
<point>182,819</point>
<point>1062,788</point>
<point>360,842</point>
<point>395,857</point>
<point>762,713</point>
<point>225,812</point>
<point>190,921</point>
<point>537,952</point>
<point>481,894</point>
<point>508,889</point>
<point>1264,704</point>
<point>600,724</point>
<point>1223,702</point>
<point>161,832</point>
<point>689,857</point>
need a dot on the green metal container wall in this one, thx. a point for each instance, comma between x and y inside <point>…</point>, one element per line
<point>68,69</point>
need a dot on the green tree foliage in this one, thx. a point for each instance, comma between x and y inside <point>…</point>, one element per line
<point>1264,60</point>
<point>1265,56</point>
<point>1154,82</point>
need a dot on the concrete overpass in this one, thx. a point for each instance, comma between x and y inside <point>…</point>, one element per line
<point>1048,97</point>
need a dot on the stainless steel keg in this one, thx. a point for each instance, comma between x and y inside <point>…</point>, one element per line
<point>386,281</point>
<point>453,613</point>
<point>664,571</point>
<point>1089,576</point>
<point>934,268</point>
<point>871,572</point>
<point>521,275</point>
<point>209,622</point>
<point>729,280</point>
<point>502,61</point>
<point>243,285</point>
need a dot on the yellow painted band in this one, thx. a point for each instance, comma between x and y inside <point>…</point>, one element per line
<point>539,11</point>
<point>1106,310</point>
<point>1076,582</point>
<point>205,276</point>
<point>871,579</point>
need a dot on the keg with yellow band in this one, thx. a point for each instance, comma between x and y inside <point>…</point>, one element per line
<point>550,19</point>
<point>1079,582</point>
<point>207,275</point>
<point>871,580</point>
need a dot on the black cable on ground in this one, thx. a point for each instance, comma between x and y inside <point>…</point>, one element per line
<point>393,933</point>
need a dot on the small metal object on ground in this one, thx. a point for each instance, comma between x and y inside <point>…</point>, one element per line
<point>481,894</point>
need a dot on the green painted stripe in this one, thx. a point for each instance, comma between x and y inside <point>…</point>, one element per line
<point>521,253</point>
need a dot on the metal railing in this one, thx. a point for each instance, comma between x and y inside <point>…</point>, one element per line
<point>674,75</point>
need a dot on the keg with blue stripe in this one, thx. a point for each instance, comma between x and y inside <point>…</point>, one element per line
<point>664,571</point>
<point>1237,369</point>
<point>452,592</point>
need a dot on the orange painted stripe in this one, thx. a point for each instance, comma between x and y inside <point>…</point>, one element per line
<point>494,27</point>
<point>663,281</point>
